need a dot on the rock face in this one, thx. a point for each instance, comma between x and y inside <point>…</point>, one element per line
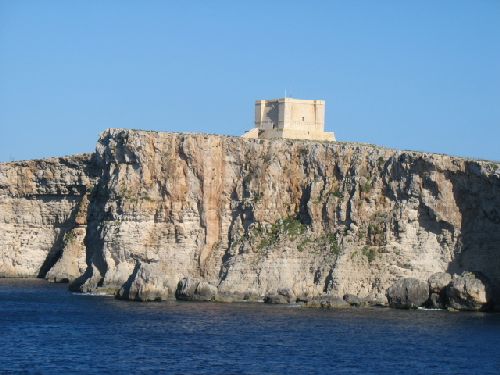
<point>247,217</point>
<point>408,293</point>
<point>43,212</point>
<point>468,292</point>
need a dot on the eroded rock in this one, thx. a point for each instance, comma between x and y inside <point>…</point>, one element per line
<point>438,282</point>
<point>192,289</point>
<point>353,300</point>
<point>437,289</point>
<point>205,292</point>
<point>89,282</point>
<point>327,302</point>
<point>147,283</point>
<point>249,296</point>
<point>283,295</point>
<point>408,293</point>
<point>468,291</point>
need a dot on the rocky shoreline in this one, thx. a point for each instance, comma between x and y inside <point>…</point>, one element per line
<point>465,292</point>
<point>153,216</point>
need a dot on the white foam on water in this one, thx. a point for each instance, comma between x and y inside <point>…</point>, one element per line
<point>92,294</point>
<point>429,309</point>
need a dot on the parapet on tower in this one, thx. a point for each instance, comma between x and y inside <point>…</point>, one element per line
<point>290,118</point>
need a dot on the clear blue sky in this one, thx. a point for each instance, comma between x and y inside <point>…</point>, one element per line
<point>420,75</point>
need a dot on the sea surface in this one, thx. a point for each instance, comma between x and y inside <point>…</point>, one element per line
<point>46,329</point>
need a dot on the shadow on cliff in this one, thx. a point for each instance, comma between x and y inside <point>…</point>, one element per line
<point>94,241</point>
<point>246,217</point>
<point>56,250</point>
<point>478,248</point>
<point>78,192</point>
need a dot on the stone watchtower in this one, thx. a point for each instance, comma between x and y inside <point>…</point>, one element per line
<point>290,118</point>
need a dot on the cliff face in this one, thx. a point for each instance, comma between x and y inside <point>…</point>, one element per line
<point>39,204</point>
<point>248,216</point>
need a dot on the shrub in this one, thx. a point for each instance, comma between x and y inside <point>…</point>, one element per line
<point>369,253</point>
<point>367,186</point>
<point>292,227</point>
<point>69,236</point>
<point>289,226</point>
<point>303,244</point>
<point>337,193</point>
<point>381,162</point>
<point>333,243</point>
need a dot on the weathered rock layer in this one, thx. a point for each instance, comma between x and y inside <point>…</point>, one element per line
<point>42,205</point>
<point>247,217</point>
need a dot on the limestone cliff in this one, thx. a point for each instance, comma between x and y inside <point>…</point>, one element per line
<point>40,205</point>
<point>249,217</point>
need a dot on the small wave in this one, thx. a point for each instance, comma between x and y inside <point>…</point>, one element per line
<point>93,294</point>
<point>294,305</point>
<point>429,309</point>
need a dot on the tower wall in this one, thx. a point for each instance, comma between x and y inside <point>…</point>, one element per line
<point>291,118</point>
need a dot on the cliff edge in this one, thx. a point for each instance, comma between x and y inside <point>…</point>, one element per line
<point>150,213</point>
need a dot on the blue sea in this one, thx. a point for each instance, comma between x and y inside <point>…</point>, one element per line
<point>46,329</point>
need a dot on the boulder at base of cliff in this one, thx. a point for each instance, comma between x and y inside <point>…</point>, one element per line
<point>190,289</point>
<point>327,302</point>
<point>437,289</point>
<point>354,300</point>
<point>283,295</point>
<point>468,292</point>
<point>146,283</point>
<point>408,293</point>
<point>88,282</point>
<point>248,296</point>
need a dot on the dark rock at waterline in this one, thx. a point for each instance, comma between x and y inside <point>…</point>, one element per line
<point>238,297</point>
<point>438,282</point>
<point>283,295</point>
<point>437,289</point>
<point>275,299</point>
<point>435,301</point>
<point>327,302</point>
<point>353,300</point>
<point>189,289</point>
<point>186,288</point>
<point>408,293</point>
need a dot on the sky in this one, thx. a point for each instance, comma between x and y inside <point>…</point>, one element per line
<point>415,75</point>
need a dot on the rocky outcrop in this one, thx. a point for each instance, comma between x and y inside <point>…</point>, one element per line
<point>43,211</point>
<point>248,217</point>
<point>327,302</point>
<point>284,295</point>
<point>437,290</point>
<point>468,292</point>
<point>408,293</point>
<point>195,290</point>
<point>353,300</point>
<point>438,282</point>
<point>147,283</point>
